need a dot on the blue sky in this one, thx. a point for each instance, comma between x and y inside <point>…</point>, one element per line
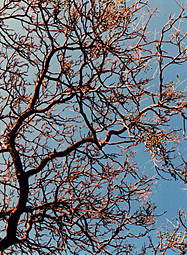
<point>170,196</point>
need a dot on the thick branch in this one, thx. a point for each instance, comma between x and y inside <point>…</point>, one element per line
<point>12,222</point>
<point>56,154</point>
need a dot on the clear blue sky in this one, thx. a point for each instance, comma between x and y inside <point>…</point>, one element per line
<point>170,196</point>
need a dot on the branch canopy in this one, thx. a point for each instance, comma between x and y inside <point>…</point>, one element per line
<point>87,111</point>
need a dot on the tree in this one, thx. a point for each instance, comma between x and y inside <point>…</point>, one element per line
<point>79,93</point>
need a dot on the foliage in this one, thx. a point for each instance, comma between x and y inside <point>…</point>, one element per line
<point>83,84</point>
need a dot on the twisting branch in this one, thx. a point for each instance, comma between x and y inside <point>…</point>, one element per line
<point>83,86</point>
